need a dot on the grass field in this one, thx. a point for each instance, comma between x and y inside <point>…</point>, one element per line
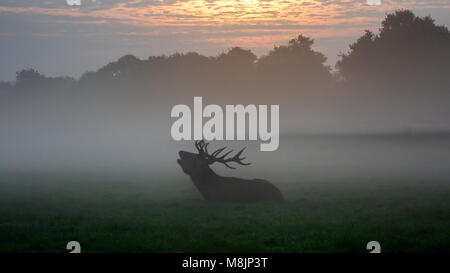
<point>143,215</point>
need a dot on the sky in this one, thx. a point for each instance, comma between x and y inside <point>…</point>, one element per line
<point>62,40</point>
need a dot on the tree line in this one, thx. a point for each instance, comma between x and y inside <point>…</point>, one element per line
<point>408,51</point>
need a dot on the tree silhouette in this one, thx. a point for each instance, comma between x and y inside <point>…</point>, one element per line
<point>407,48</point>
<point>29,76</point>
<point>31,79</point>
<point>287,67</point>
<point>295,63</point>
<point>237,58</point>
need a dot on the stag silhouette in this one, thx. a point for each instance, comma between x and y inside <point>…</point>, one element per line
<point>214,187</point>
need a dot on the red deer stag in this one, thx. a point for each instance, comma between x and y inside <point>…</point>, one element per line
<point>214,187</point>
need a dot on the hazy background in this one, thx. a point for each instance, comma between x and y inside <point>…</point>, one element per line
<point>382,111</point>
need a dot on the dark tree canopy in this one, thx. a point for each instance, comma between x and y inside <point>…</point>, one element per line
<point>237,57</point>
<point>295,65</point>
<point>407,47</point>
<point>296,60</point>
<point>27,76</point>
<point>32,79</point>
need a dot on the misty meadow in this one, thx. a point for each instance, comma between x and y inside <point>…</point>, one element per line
<point>363,150</point>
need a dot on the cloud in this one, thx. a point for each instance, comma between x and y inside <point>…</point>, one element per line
<point>111,28</point>
<point>214,12</point>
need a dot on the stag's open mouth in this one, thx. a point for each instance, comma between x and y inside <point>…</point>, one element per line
<point>181,156</point>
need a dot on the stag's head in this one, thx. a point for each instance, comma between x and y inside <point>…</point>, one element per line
<point>196,163</point>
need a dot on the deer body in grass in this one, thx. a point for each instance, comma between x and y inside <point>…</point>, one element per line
<point>214,187</point>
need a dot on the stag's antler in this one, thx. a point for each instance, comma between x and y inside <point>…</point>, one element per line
<point>202,148</point>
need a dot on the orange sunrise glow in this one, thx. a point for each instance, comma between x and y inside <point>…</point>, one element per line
<point>246,22</point>
<point>146,27</point>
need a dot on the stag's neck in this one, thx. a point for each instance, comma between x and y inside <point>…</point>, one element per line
<point>207,175</point>
<point>205,181</point>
